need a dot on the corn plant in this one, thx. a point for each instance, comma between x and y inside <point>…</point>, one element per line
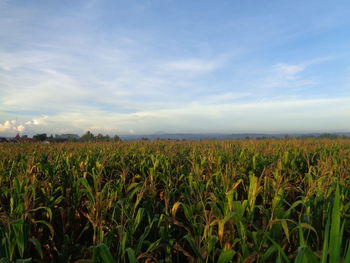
<point>176,201</point>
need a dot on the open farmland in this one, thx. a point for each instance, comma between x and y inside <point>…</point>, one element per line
<point>166,201</point>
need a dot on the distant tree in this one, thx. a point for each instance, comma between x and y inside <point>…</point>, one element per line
<point>144,139</point>
<point>329,136</point>
<point>24,136</point>
<point>88,136</point>
<point>40,137</point>
<point>100,137</point>
<point>116,138</point>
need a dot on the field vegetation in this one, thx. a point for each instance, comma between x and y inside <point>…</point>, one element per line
<point>165,201</point>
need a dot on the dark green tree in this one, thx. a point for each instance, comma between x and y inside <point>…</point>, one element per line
<point>116,138</point>
<point>88,136</point>
<point>40,137</point>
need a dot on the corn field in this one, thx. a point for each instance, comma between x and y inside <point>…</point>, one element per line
<point>165,201</point>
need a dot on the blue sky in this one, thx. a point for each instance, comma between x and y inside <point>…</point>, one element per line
<point>122,67</point>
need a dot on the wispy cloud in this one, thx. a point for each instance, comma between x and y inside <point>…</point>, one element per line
<point>37,121</point>
<point>53,80</point>
<point>221,98</point>
<point>191,65</point>
<point>290,71</point>
<point>265,116</point>
<point>112,66</point>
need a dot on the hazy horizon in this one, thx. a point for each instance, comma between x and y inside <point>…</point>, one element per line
<point>138,67</point>
<point>172,134</point>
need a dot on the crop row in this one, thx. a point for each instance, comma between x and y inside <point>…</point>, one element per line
<point>164,201</point>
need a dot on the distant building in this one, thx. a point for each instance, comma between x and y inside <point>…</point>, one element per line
<point>18,138</point>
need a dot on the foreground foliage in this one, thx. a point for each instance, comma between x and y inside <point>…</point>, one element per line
<point>210,201</point>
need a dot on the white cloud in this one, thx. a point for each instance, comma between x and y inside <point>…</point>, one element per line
<point>51,81</point>
<point>37,121</point>
<point>223,98</point>
<point>191,65</point>
<point>11,126</point>
<point>20,128</point>
<point>289,71</point>
<point>284,115</point>
<point>288,115</point>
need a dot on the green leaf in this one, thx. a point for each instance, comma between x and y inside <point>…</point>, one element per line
<point>305,255</point>
<point>138,218</point>
<point>325,242</point>
<point>301,236</point>
<point>102,251</point>
<point>285,228</point>
<point>143,237</point>
<point>334,241</point>
<point>226,256</point>
<point>17,227</point>
<point>153,245</point>
<point>211,243</point>
<point>24,260</point>
<point>268,253</point>
<point>194,248</point>
<point>131,255</point>
<point>278,248</point>
<point>347,255</point>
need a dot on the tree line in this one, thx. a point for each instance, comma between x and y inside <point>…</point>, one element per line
<point>88,136</point>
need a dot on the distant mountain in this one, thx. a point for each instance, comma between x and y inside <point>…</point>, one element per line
<point>220,136</point>
<point>159,132</point>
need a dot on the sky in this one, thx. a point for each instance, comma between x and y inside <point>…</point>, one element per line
<point>174,66</point>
